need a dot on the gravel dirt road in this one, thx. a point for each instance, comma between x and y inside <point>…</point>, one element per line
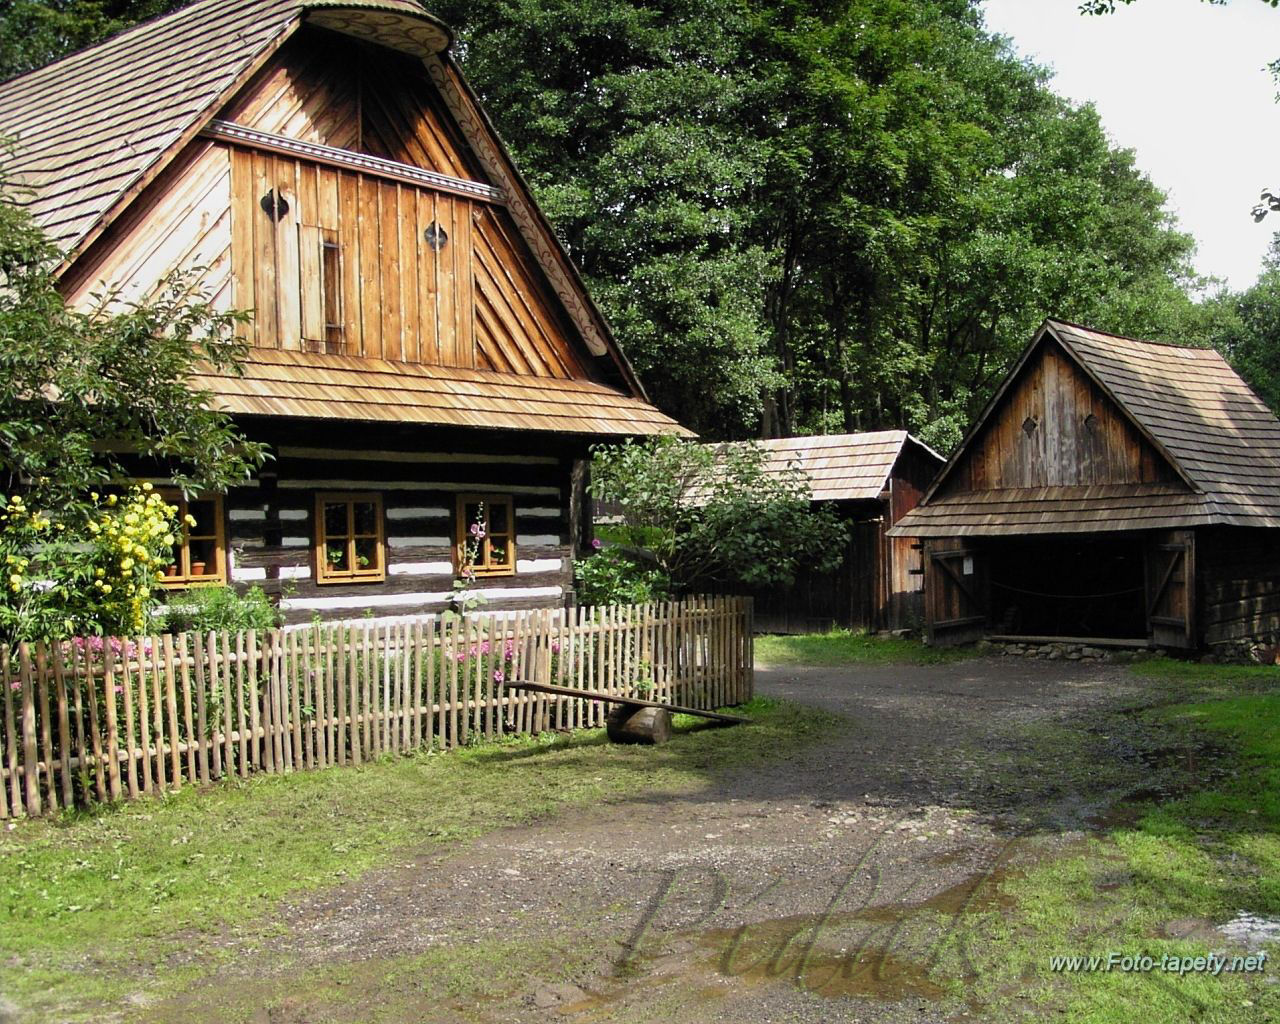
<point>825,888</point>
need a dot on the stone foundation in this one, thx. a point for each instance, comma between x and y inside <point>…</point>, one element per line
<point>1058,651</point>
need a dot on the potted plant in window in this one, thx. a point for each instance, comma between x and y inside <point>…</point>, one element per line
<point>332,556</point>
<point>197,568</point>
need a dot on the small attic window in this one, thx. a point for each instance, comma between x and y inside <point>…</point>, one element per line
<point>1029,425</point>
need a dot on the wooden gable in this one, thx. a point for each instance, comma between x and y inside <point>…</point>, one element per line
<point>346,257</point>
<point>1054,427</point>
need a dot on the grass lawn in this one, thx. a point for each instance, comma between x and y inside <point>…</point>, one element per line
<point>1154,883</point>
<point>845,647</point>
<point>84,896</point>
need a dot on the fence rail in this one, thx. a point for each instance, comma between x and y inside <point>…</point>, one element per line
<point>93,720</point>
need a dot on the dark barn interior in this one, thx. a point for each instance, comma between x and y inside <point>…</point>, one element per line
<point>1070,585</point>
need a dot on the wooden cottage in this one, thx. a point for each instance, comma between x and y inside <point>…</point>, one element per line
<point>872,480</point>
<point>424,354</point>
<point>1113,489</point>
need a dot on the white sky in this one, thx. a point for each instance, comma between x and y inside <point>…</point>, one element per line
<point>1184,85</point>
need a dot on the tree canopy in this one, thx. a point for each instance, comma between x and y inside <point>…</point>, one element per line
<point>802,215</point>
<point>805,216</point>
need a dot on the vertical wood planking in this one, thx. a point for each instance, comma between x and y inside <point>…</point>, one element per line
<point>216,688</point>
<point>187,713</point>
<point>171,711</point>
<point>201,739</point>
<point>242,713</point>
<point>157,709</point>
<point>370,280</point>
<point>64,725</point>
<point>342,733</point>
<point>131,751</point>
<point>11,728</point>
<point>229,691</point>
<point>79,684</point>
<point>113,732</point>
<point>30,751</point>
<point>243,250</point>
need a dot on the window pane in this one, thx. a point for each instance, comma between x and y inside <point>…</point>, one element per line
<point>335,556</point>
<point>366,515</point>
<point>204,561</point>
<point>471,515</point>
<point>499,520</point>
<point>335,519</point>
<point>205,517</point>
<point>498,552</point>
<point>367,555</point>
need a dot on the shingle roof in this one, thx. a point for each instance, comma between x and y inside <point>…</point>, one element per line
<point>843,467</point>
<point>89,127</point>
<point>1193,407</point>
<point>315,386</point>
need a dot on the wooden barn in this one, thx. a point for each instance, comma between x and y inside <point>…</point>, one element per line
<point>873,480</point>
<point>1113,489</point>
<point>424,354</point>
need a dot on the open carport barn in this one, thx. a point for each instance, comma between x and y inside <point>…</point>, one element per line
<point>1111,489</point>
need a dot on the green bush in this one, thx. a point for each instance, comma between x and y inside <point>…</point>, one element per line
<point>204,608</point>
<point>612,577</point>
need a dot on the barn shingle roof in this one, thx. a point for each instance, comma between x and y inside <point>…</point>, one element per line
<point>1216,433</point>
<point>843,467</point>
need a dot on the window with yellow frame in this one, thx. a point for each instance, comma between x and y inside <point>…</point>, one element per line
<point>486,535</point>
<point>350,541</point>
<point>200,553</point>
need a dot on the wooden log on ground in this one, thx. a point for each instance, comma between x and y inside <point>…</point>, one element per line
<point>627,723</point>
<point>615,698</point>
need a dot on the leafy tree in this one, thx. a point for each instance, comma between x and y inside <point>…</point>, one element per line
<point>1248,331</point>
<point>804,216</point>
<point>35,32</point>
<point>85,395</point>
<point>1109,6</point>
<point>714,515</point>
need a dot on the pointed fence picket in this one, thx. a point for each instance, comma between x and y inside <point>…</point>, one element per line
<point>88,721</point>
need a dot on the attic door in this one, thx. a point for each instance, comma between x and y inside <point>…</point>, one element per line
<point>288,259</point>
<point>955,591</point>
<point>1171,560</point>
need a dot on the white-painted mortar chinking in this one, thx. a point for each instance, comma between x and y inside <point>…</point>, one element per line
<point>271,527</point>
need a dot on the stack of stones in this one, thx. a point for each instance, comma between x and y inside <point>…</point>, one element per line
<point>1057,651</point>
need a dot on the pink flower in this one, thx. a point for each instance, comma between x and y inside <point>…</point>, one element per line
<point>477,530</point>
<point>498,676</point>
<point>16,684</point>
<point>484,647</point>
<point>462,655</point>
<point>555,646</point>
<point>596,544</point>
<point>119,690</point>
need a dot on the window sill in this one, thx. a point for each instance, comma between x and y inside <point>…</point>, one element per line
<point>354,578</point>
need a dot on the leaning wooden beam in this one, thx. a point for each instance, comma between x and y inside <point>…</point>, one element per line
<point>614,698</point>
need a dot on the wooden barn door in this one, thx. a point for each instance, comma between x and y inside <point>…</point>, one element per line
<point>955,592</point>
<point>1171,588</point>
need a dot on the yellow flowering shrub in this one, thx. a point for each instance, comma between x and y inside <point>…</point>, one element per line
<point>93,576</point>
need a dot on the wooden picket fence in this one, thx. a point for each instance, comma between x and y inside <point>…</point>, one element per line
<point>88,720</point>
